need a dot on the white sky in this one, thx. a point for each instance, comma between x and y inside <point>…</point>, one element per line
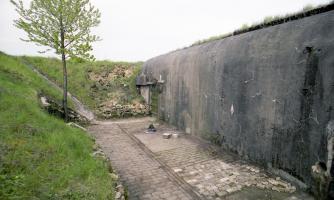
<point>135,30</point>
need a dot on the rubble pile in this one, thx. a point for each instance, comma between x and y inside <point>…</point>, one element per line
<point>116,110</point>
<point>105,77</point>
<point>111,89</point>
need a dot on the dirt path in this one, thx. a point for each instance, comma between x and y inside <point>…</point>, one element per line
<point>182,168</point>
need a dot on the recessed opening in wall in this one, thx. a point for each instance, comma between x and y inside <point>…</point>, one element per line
<point>308,49</point>
<point>154,100</point>
<point>322,165</point>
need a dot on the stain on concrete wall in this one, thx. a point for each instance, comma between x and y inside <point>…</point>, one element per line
<point>267,95</point>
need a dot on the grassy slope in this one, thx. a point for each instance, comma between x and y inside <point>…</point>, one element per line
<point>80,85</point>
<point>40,156</point>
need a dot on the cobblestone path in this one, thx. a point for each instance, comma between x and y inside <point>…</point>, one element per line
<point>182,168</point>
<point>144,177</point>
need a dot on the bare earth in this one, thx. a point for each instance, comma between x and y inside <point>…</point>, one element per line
<point>182,168</point>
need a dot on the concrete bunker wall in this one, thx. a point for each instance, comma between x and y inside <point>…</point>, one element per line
<point>267,94</point>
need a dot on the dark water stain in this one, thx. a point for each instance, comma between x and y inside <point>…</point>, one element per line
<point>291,150</point>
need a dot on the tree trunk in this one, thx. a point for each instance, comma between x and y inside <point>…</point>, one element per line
<point>63,59</point>
<point>65,87</point>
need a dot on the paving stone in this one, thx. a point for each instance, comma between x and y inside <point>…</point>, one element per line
<point>189,159</point>
<point>139,171</point>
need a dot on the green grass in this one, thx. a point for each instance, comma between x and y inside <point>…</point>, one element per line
<point>40,156</point>
<point>80,85</point>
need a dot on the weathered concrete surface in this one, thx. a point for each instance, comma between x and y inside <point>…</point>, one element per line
<point>182,168</point>
<point>267,95</point>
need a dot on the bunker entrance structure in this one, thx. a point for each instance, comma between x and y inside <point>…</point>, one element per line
<point>150,88</point>
<point>267,95</point>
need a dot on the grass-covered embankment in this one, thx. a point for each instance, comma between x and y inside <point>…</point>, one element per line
<point>108,88</point>
<point>40,156</point>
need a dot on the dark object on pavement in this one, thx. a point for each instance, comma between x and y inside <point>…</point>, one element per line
<point>151,128</point>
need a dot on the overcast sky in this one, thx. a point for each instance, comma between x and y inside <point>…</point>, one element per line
<point>135,30</point>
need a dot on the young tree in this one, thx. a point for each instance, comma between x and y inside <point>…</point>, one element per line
<point>61,25</point>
